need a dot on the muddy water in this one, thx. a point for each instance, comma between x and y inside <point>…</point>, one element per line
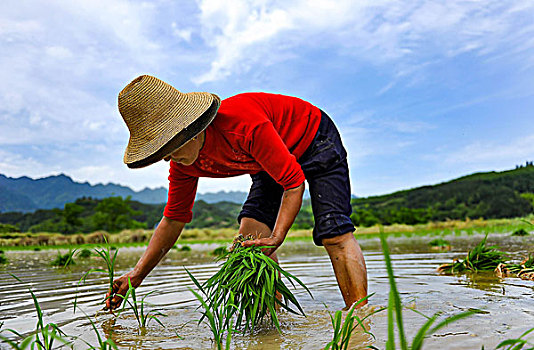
<point>509,303</point>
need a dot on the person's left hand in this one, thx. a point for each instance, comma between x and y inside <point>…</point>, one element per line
<point>273,242</point>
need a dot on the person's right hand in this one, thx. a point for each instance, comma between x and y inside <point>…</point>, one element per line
<point>115,296</point>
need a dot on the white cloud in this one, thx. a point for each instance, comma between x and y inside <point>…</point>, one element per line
<point>250,33</point>
<point>66,63</point>
<point>492,152</point>
<point>184,34</point>
<point>242,25</point>
<point>16,165</point>
<point>58,52</point>
<point>114,171</point>
<point>236,183</point>
<point>405,126</point>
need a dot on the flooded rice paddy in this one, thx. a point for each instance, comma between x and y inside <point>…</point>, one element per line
<point>508,303</point>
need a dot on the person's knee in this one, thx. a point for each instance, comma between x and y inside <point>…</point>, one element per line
<point>250,226</point>
<point>338,241</point>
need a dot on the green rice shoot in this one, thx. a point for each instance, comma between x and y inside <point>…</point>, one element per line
<point>109,259</point>
<point>395,313</point>
<point>141,314</point>
<point>343,329</point>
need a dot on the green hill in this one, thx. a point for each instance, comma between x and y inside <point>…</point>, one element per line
<point>487,195</point>
<point>482,195</point>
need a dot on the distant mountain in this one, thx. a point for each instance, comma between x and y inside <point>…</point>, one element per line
<point>223,196</point>
<point>487,195</point>
<point>25,194</point>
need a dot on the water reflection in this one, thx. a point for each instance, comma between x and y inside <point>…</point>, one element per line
<point>483,280</point>
<point>508,301</point>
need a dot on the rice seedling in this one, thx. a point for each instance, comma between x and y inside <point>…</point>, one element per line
<point>43,337</point>
<point>184,248</point>
<point>64,260</point>
<point>253,281</point>
<point>3,259</point>
<point>523,270</point>
<point>343,330</point>
<point>219,251</point>
<point>395,313</point>
<point>439,242</point>
<point>520,232</point>
<point>109,259</point>
<point>516,343</point>
<point>106,344</point>
<point>84,253</point>
<point>217,316</point>
<point>142,316</point>
<point>480,258</point>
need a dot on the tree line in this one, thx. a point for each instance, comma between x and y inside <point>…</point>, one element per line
<point>489,195</point>
<point>484,195</point>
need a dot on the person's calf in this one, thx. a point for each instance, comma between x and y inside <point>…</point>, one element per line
<point>349,267</point>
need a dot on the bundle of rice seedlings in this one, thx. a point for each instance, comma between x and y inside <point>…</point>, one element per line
<point>184,248</point>
<point>3,259</point>
<point>250,281</point>
<point>439,244</point>
<point>84,253</point>
<point>64,260</point>
<point>523,270</point>
<point>480,258</point>
<point>520,232</point>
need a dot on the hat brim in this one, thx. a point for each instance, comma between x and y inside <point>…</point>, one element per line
<point>192,130</point>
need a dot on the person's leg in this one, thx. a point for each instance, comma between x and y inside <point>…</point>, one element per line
<point>326,169</point>
<point>349,267</point>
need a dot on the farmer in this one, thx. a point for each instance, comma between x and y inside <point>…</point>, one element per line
<point>280,140</point>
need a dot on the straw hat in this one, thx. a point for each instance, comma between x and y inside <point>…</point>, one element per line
<point>161,118</point>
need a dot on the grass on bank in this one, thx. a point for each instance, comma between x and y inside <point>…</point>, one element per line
<point>139,237</point>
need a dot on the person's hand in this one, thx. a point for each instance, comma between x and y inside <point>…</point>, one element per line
<point>273,242</point>
<point>115,296</point>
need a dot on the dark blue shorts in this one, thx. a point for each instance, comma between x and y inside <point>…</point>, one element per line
<point>325,166</point>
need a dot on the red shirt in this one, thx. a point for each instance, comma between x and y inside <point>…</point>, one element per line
<point>252,132</point>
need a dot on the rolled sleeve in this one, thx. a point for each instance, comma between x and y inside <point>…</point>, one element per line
<point>182,191</point>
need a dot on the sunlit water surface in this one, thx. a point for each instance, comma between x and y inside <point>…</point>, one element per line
<point>508,303</point>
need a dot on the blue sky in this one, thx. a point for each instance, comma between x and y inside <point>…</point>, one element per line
<point>422,91</point>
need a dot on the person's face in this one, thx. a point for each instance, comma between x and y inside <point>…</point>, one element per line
<point>188,153</point>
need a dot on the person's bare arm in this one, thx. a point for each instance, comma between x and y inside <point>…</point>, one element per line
<point>289,208</point>
<point>162,240</point>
